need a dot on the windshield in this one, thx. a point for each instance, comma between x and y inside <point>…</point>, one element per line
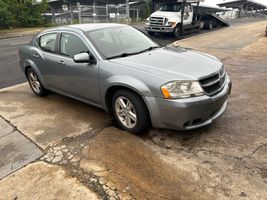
<point>120,41</point>
<point>171,7</point>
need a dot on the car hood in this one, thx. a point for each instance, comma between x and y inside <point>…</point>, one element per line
<point>165,14</point>
<point>173,63</point>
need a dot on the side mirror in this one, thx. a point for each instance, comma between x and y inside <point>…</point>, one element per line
<point>82,58</point>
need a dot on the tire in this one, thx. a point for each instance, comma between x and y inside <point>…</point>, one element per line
<point>151,33</point>
<point>35,83</point>
<point>208,25</point>
<point>177,31</point>
<point>133,106</point>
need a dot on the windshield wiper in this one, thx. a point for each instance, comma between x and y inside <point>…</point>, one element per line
<point>149,49</point>
<point>121,55</point>
<point>130,54</point>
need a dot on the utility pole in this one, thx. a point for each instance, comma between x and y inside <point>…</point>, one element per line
<point>71,13</point>
<point>127,10</point>
<point>53,16</point>
<point>79,12</point>
<point>94,10</point>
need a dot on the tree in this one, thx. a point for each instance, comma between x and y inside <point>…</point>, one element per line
<point>22,13</point>
<point>6,17</point>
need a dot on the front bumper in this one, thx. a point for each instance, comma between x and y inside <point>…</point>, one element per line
<point>159,29</point>
<point>191,113</point>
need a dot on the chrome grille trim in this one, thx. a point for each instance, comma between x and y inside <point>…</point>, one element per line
<point>157,21</point>
<point>214,83</point>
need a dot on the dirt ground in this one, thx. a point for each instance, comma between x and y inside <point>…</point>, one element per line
<point>86,157</point>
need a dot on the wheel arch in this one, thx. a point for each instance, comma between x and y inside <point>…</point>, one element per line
<point>178,25</point>
<point>113,89</point>
<point>30,64</point>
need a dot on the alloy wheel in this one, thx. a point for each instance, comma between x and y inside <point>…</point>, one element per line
<point>125,112</point>
<point>35,84</point>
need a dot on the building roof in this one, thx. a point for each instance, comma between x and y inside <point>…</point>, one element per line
<point>237,4</point>
<point>60,2</point>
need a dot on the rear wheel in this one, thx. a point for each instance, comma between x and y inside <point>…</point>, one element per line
<point>130,111</point>
<point>35,83</point>
<point>208,25</point>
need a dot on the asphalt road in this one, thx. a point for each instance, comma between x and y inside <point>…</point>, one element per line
<point>9,61</point>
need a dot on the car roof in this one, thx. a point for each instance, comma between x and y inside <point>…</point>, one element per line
<point>94,26</point>
<point>86,27</point>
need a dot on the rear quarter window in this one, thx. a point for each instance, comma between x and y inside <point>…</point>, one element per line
<point>48,42</point>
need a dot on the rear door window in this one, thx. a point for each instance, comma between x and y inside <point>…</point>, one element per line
<point>48,42</point>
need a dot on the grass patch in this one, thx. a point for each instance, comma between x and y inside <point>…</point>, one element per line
<point>20,30</point>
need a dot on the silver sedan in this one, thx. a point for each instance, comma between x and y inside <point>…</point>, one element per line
<point>119,69</point>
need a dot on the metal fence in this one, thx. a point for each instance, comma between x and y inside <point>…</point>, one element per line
<point>89,14</point>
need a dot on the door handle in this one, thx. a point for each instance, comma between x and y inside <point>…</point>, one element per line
<point>61,62</point>
<point>35,55</point>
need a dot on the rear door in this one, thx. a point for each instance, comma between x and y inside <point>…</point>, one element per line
<point>44,54</point>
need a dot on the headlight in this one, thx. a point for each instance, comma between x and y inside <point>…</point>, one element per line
<point>181,89</point>
<point>172,24</point>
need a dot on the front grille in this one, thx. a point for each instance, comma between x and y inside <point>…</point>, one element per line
<point>213,84</point>
<point>157,21</point>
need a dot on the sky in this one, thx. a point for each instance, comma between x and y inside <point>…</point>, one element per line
<point>214,2</point>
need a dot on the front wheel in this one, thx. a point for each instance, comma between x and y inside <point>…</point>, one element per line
<point>35,83</point>
<point>151,33</point>
<point>130,111</point>
<point>177,31</point>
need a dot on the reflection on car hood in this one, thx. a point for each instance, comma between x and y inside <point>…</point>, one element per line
<point>173,63</point>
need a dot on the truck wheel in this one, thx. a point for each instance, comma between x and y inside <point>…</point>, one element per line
<point>130,111</point>
<point>208,25</point>
<point>177,31</point>
<point>151,33</point>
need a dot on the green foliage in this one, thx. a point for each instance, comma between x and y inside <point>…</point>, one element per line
<point>22,13</point>
<point>144,11</point>
<point>6,17</point>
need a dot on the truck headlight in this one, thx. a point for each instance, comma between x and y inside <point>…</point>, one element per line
<point>148,21</point>
<point>172,24</point>
<point>181,89</point>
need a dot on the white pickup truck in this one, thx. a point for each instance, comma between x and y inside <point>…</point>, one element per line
<point>172,17</point>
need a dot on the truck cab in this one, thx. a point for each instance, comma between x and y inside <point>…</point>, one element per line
<point>171,18</point>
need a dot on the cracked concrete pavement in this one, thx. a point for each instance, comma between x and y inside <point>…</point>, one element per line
<point>16,150</point>
<point>86,157</point>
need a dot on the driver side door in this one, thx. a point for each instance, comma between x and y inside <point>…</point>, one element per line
<point>188,14</point>
<point>79,80</point>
